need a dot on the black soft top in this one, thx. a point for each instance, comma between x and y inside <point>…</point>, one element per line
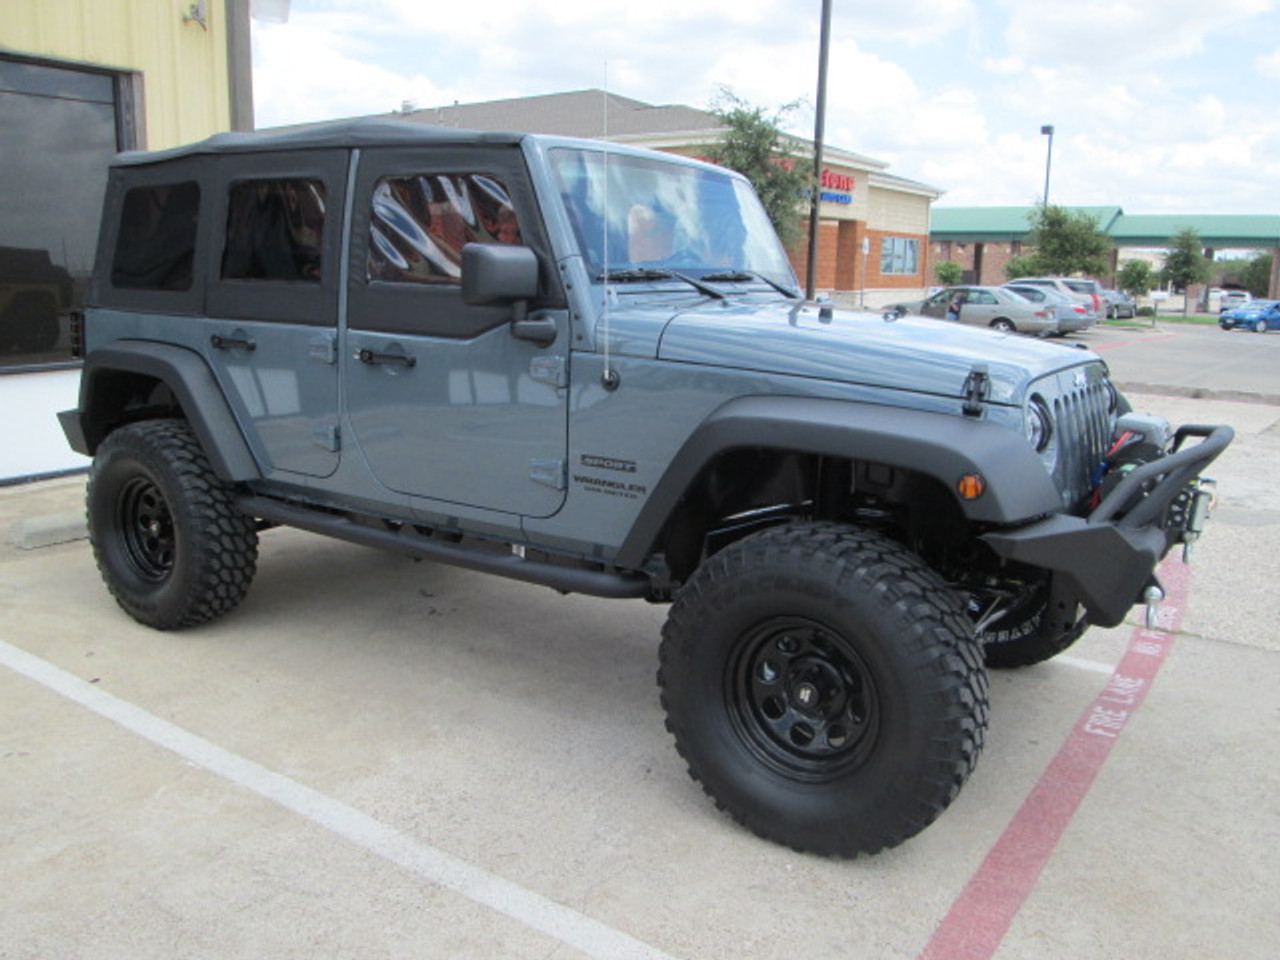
<point>376,132</point>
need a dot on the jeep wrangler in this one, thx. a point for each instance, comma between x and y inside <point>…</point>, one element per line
<point>587,366</point>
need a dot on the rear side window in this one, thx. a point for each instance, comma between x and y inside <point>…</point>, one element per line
<point>1079,286</point>
<point>275,231</point>
<point>156,243</point>
<point>421,223</point>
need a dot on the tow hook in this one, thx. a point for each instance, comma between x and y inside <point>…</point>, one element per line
<point>1152,596</point>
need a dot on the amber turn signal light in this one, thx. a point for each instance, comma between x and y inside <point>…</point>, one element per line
<point>971,486</point>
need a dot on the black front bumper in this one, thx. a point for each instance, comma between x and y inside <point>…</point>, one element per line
<point>1108,558</point>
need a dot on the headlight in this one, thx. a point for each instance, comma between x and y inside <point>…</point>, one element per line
<point>1039,424</point>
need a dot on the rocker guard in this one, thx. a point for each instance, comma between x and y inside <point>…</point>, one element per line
<point>1107,558</point>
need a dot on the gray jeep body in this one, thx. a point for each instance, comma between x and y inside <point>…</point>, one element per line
<point>542,414</point>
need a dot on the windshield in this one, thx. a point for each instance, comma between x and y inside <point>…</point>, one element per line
<point>666,215</point>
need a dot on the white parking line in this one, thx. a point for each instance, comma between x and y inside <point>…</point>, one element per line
<point>502,896</point>
<point>1093,666</point>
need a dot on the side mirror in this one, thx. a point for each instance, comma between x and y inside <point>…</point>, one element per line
<point>498,273</point>
<point>495,274</point>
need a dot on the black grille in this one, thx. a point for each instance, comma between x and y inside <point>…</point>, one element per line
<point>1082,427</point>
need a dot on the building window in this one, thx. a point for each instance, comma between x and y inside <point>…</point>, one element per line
<point>62,126</point>
<point>420,225</point>
<point>156,245</point>
<point>899,255</point>
<point>275,231</point>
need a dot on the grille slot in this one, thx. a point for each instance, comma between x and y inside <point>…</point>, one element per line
<point>1081,425</point>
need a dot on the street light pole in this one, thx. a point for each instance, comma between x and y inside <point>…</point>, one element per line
<point>1047,130</point>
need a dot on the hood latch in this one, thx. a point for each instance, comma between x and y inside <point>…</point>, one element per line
<point>976,386</point>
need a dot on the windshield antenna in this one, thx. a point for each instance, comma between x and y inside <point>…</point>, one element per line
<point>609,378</point>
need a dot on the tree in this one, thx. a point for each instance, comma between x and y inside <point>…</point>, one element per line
<point>1186,263</point>
<point>1137,278</point>
<point>1066,242</point>
<point>1027,266</point>
<point>949,272</point>
<point>755,146</point>
<point>1256,275</point>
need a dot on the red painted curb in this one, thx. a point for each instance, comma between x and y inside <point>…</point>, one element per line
<point>981,915</point>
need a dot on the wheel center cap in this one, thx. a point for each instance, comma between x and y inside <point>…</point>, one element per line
<point>807,695</point>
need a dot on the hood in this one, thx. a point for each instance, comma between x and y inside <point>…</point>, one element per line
<point>909,353</point>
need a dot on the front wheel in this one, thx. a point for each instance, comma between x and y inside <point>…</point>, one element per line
<point>1260,326</point>
<point>823,686</point>
<point>172,548</point>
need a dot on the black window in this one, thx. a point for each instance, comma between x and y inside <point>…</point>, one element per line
<point>156,242</point>
<point>275,230</point>
<point>62,124</point>
<point>420,224</point>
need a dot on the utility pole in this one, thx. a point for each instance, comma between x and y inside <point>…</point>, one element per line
<point>815,202</point>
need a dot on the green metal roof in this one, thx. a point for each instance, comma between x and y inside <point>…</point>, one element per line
<point>1006,224</point>
<point>994,224</point>
<point>1216,230</point>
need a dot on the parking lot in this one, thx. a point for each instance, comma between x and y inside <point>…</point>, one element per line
<point>374,757</point>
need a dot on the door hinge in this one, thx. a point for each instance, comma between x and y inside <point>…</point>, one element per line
<point>327,436</point>
<point>549,370</point>
<point>549,473</point>
<point>323,348</point>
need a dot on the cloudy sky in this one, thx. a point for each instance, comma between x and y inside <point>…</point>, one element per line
<point>1160,106</point>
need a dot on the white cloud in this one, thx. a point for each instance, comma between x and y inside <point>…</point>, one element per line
<point>1268,65</point>
<point>950,92</point>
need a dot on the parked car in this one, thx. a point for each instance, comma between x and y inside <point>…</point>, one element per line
<point>1231,299</point>
<point>993,307</point>
<point>1088,292</point>
<point>1119,304</point>
<point>1257,315</point>
<point>1073,316</point>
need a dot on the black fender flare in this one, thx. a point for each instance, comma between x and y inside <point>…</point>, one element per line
<point>185,373</point>
<point>938,445</point>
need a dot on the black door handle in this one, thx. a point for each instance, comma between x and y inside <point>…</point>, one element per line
<point>220,342</point>
<point>366,355</point>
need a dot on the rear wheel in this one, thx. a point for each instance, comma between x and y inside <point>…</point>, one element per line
<point>1260,326</point>
<point>172,548</point>
<point>822,685</point>
<point>1003,325</point>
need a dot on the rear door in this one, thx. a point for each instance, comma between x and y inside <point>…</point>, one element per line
<point>444,402</point>
<point>272,302</point>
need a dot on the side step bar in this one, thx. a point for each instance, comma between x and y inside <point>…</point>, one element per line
<point>405,539</point>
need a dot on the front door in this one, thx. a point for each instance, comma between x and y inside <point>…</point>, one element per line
<point>443,402</point>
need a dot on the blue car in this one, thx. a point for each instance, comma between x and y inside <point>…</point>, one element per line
<point>1257,315</point>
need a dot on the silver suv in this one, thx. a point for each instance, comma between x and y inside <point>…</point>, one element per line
<point>1088,292</point>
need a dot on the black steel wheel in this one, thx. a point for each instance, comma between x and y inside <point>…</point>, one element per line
<point>824,687</point>
<point>146,529</point>
<point>802,698</point>
<point>170,544</point>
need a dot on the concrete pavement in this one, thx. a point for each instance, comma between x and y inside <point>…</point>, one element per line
<point>379,758</point>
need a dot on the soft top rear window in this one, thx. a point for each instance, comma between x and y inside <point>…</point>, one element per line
<point>156,243</point>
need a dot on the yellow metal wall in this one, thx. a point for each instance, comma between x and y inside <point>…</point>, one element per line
<point>184,66</point>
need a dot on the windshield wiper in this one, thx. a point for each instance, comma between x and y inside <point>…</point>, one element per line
<point>738,276</point>
<point>643,274</point>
